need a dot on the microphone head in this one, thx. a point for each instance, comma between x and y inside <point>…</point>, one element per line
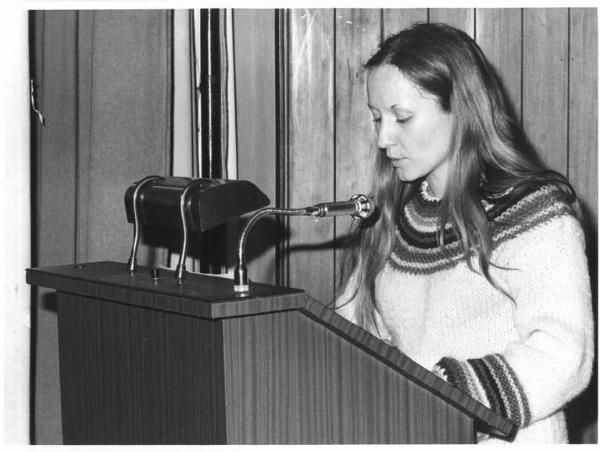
<point>365,206</point>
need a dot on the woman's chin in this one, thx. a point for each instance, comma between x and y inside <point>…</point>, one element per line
<point>405,176</point>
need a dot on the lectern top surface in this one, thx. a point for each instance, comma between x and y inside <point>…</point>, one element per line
<point>200,295</point>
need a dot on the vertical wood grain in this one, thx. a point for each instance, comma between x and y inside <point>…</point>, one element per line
<point>498,33</point>
<point>290,380</point>
<point>583,106</point>
<point>545,83</point>
<point>395,20</point>
<point>131,375</point>
<point>583,173</point>
<point>254,34</point>
<point>461,18</point>
<point>357,37</point>
<point>311,148</point>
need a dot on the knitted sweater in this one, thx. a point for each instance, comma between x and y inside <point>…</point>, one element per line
<point>524,358</point>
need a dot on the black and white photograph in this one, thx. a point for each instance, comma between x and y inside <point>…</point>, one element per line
<point>267,224</point>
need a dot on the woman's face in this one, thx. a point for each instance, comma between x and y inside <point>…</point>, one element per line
<point>412,127</point>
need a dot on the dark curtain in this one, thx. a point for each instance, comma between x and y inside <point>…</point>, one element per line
<point>215,248</point>
<point>104,84</point>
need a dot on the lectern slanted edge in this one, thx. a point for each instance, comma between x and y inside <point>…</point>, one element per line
<point>155,362</point>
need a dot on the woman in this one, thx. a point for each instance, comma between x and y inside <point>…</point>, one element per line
<point>475,266</point>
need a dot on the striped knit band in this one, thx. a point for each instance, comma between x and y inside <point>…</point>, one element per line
<point>416,249</point>
<point>491,381</point>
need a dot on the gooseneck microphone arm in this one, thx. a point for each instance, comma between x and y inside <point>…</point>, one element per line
<point>359,207</point>
<point>240,276</point>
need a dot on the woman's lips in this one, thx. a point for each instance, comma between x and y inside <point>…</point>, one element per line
<point>397,161</point>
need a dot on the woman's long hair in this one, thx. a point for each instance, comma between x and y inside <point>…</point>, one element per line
<point>490,154</point>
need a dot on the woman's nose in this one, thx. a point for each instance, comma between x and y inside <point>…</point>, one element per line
<point>385,135</point>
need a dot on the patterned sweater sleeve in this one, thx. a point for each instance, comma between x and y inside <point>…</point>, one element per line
<point>551,362</point>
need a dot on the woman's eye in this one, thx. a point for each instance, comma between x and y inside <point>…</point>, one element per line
<point>403,120</point>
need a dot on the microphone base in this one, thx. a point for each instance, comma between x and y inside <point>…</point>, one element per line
<point>241,283</point>
<point>241,288</point>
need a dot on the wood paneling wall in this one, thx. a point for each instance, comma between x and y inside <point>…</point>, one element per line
<point>255,103</point>
<point>546,58</point>
<point>311,166</point>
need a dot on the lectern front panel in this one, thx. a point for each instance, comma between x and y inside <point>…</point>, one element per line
<point>132,375</point>
<point>290,380</point>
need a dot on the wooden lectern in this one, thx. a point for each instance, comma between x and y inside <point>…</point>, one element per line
<point>146,361</point>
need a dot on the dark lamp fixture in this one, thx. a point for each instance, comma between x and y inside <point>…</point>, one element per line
<point>187,204</point>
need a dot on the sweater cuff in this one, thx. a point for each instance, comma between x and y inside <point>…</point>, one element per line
<point>491,381</point>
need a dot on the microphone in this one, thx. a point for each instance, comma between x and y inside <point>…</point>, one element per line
<point>358,207</point>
